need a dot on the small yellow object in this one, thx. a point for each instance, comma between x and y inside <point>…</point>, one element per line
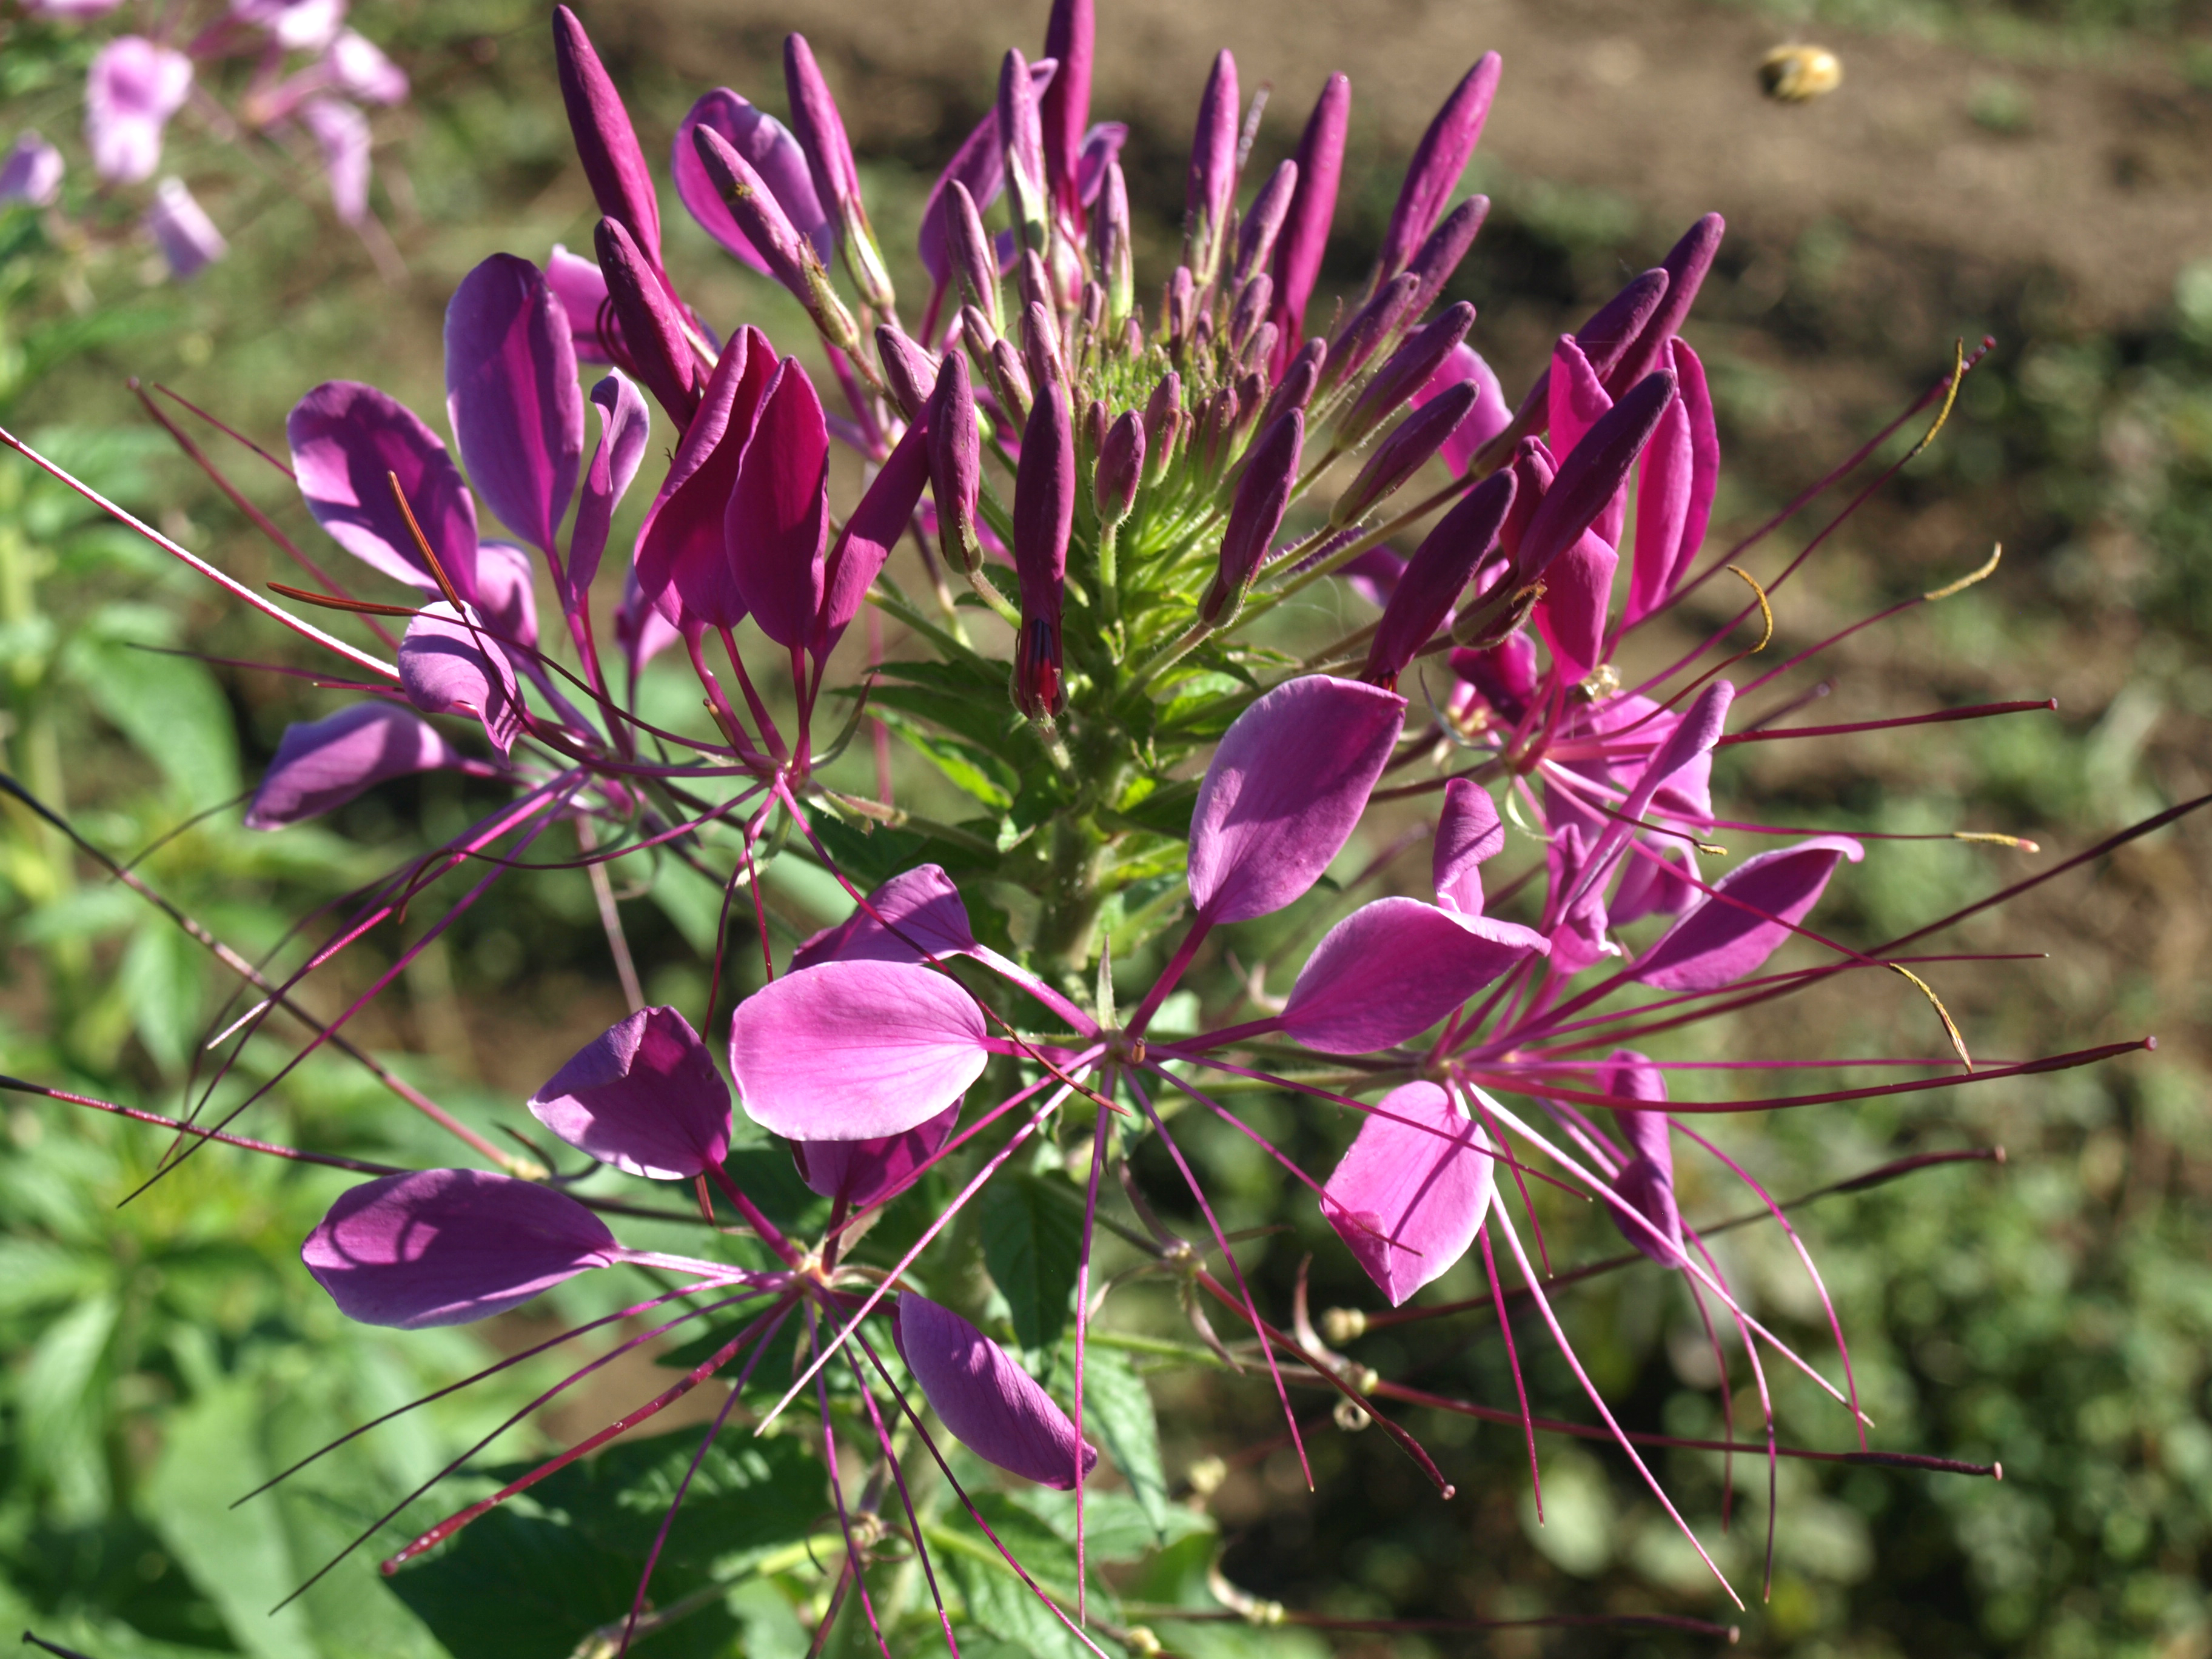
<point>1793,74</point>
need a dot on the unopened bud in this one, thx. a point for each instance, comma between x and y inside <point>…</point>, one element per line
<point>606,143</point>
<point>1435,575</point>
<point>1503,675</point>
<point>1262,496</point>
<point>1041,353</point>
<point>791,258</point>
<point>973,260</point>
<point>1409,447</point>
<point>1022,133</point>
<point>1011,381</point>
<point>1296,389</point>
<point>1164,420</point>
<point>908,370</point>
<point>956,464</point>
<point>1438,161</point>
<point>1259,354</point>
<point>1178,308</point>
<point>1044,519</point>
<point>1407,370</point>
<point>1211,438</point>
<point>660,351</point>
<point>1370,330</point>
<point>1213,183</point>
<point>1111,256</point>
<point>1439,257</point>
<point>1685,265</point>
<point>1263,223</point>
<point>820,130</point>
<point>1253,300</point>
<point>1592,473</point>
<point>1120,464</point>
<point>1033,283</point>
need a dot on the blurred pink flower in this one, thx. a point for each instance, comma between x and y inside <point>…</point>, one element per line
<point>133,89</point>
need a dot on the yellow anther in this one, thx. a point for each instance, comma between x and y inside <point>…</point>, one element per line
<point>1988,569</point>
<point>1950,396</point>
<point>1957,1042</point>
<point>1990,837</point>
<point>1765,611</point>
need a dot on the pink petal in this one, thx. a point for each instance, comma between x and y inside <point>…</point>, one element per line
<point>512,395</point>
<point>346,438</point>
<point>1579,591</point>
<point>1423,1185</point>
<point>1658,886</point>
<point>1719,941</point>
<point>1391,969</point>
<point>32,174</point>
<point>131,91</point>
<point>325,764</point>
<point>922,903</point>
<point>880,519</point>
<point>581,288</point>
<point>1578,936</point>
<point>644,1097</point>
<point>341,132</point>
<point>768,144</point>
<point>1705,455</point>
<point>448,664</point>
<point>1646,1182</point>
<point>361,68</point>
<point>992,1406</point>
<point>858,1172</point>
<point>1284,791</point>
<point>683,563</point>
<point>180,228</point>
<point>1663,511</point>
<point>776,527</point>
<point>1492,416</point>
<point>625,424</point>
<point>504,597</point>
<point>1468,832</point>
<point>444,1247</point>
<point>855,1050</point>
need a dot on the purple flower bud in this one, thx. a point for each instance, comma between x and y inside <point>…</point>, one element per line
<point>1064,111</point>
<point>1212,189</point>
<point>1284,792</point>
<point>131,91</point>
<point>450,664</point>
<point>1439,256</point>
<point>1258,357</point>
<point>323,765</point>
<point>1469,833</point>
<point>1179,308</point>
<point>1253,300</point>
<point>1296,389</point>
<point>775,156</point>
<point>1044,518</point>
<point>1371,328</point>
<point>1406,371</point>
<point>1011,381</point>
<point>180,228</point>
<point>1121,465</point>
<point>956,464</point>
<point>775,528</point>
<point>1034,285</point>
<point>644,1097</point>
<point>32,174</point>
<point>762,221</point>
<point>660,352</point>
<point>992,1406</point>
<point>1410,1194</point>
<point>1435,575</point>
<point>821,133</point>
<point>1262,494</point>
<point>444,1247</point>
<point>1685,265</point>
<point>606,143</point>
<point>1304,235</point>
<point>1491,414</point>
<point>1591,474</point>
<point>974,263</point>
<point>1437,162</point>
<point>1111,254</point>
<point>1023,134</point>
<point>907,367</point>
<point>858,1173</point>
<point>1040,346</point>
<point>855,1050</point>
<point>1263,223</point>
<point>1409,448</point>
<point>1604,341</point>
<point>1163,410</point>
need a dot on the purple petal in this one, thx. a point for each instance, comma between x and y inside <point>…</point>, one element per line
<point>1284,792</point>
<point>776,526</point>
<point>1064,107</point>
<point>1493,415</point>
<point>325,764</point>
<point>341,132</point>
<point>641,629</point>
<point>1468,832</point>
<point>32,174</point>
<point>1592,474</point>
<point>1646,1182</point>
<point>1577,398</point>
<point>1746,917</point>
<point>980,165</point>
<point>1579,935</point>
<point>1578,589</point>
<point>855,1050</point>
<point>1391,969</point>
<point>625,423</point>
<point>360,67</point>
<point>1658,885</point>
<point>1423,1186</point>
<point>775,156</point>
<point>581,288</point>
<point>449,665</point>
<point>923,904</point>
<point>444,1247</point>
<point>1704,456</point>
<point>992,1406</point>
<point>856,1173</point>
<point>1101,146</point>
<point>1663,510</point>
<point>131,91</point>
<point>346,438</point>
<point>180,228</point>
<point>644,1097</point>
<point>683,561</point>
<point>882,517</point>
<point>511,393</point>
<point>504,594</point>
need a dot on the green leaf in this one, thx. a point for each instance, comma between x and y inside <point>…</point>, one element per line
<point>870,858</point>
<point>161,981</point>
<point>61,1407</point>
<point>971,768</point>
<point>1032,1241</point>
<point>170,708</point>
<point>1118,1414</point>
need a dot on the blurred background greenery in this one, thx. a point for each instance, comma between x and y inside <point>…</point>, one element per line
<point>2039,172</point>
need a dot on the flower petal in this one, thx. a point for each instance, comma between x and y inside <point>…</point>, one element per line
<point>1284,792</point>
<point>444,1247</point>
<point>858,1172</point>
<point>1468,832</point>
<point>512,394</point>
<point>1646,1182</point>
<point>346,438</point>
<point>775,155</point>
<point>992,1406</point>
<point>644,1097</point>
<point>131,91</point>
<point>1393,969</point>
<point>325,764</point>
<point>855,1050</point>
<point>625,424</point>
<point>682,560</point>
<point>776,526</point>
<point>448,664</point>
<point>1423,1185</point>
<point>1745,918</point>
<point>922,903</point>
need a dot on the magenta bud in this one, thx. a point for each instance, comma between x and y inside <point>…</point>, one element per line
<point>992,1406</point>
<point>1212,187</point>
<point>1503,675</point>
<point>1591,475</point>
<point>1162,414</point>
<point>1435,576</point>
<point>1263,223</point>
<point>974,262</point>
<point>1614,327</point>
<point>643,1097</point>
<point>977,335</point>
<point>1437,162</point>
<point>908,369</point>
<point>1253,301</point>
<point>1011,381</point>
<point>1262,496</point>
<point>1296,389</point>
<point>1685,265</point>
<point>820,130</point>
<point>1064,111</point>
<point>606,143</point>
<point>1120,467</point>
<point>791,258</point>
<point>1407,370</point>
<point>1179,308</point>
<point>1371,328</point>
<point>1040,346</point>
<point>1110,253</point>
<point>659,349</point>
<point>1304,235</point>
<point>1212,436</point>
<point>956,464</point>
<point>1439,256</point>
<point>1034,282</point>
<point>1409,447</point>
<point>1044,503</point>
<point>1023,134</point>
<point>1258,357</point>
